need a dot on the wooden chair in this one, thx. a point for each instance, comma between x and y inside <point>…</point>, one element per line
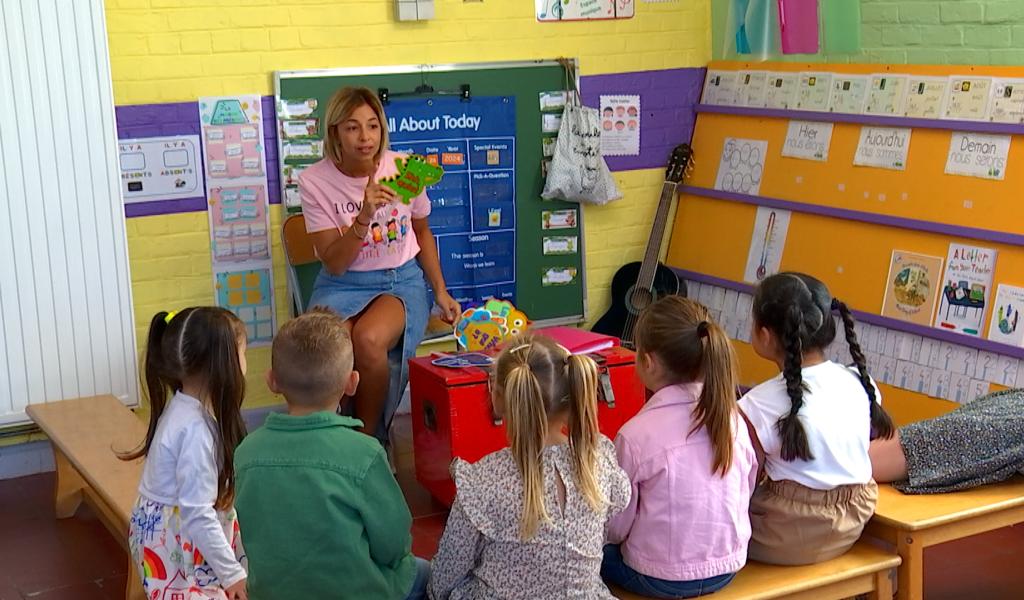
<point>303,265</point>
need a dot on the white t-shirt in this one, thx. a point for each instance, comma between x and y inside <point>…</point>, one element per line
<point>835,415</point>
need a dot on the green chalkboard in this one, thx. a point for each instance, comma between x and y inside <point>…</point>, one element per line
<point>525,81</point>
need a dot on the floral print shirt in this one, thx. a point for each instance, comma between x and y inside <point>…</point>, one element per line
<point>481,555</point>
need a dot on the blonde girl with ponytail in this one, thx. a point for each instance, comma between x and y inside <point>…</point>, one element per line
<point>529,521</point>
<point>689,457</point>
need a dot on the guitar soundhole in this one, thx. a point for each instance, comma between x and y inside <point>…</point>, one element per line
<point>639,299</point>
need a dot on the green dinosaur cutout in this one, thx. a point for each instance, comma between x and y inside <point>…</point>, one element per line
<point>414,175</point>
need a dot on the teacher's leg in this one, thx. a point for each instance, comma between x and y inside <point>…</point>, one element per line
<point>375,331</point>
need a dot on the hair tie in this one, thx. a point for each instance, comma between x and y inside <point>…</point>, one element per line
<point>835,303</point>
<point>169,316</point>
<point>702,329</point>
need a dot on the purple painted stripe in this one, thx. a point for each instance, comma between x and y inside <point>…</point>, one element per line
<point>667,101</point>
<point>182,118</point>
<point>164,207</point>
<point>876,319</point>
<point>988,235</point>
<point>876,120</point>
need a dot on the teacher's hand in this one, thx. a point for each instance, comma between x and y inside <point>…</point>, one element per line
<point>374,197</point>
<point>450,308</point>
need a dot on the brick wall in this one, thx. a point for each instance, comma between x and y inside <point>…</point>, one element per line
<point>964,32</point>
<point>166,51</point>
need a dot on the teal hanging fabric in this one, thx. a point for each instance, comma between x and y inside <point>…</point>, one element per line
<point>761,26</point>
<point>841,26</point>
<point>735,36</point>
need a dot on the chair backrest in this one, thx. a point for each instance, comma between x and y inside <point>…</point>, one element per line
<point>303,265</point>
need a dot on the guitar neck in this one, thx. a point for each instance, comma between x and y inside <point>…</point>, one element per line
<point>649,265</point>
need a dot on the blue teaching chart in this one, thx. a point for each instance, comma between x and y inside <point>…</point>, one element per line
<point>473,207</point>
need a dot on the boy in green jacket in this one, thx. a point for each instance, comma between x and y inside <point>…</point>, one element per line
<point>322,515</point>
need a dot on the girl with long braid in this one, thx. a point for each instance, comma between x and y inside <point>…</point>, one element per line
<point>529,521</point>
<point>811,427</point>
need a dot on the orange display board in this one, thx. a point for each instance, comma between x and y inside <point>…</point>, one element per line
<point>712,236</point>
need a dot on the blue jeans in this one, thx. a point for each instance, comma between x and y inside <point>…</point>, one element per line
<point>615,570</point>
<point>419,585</point>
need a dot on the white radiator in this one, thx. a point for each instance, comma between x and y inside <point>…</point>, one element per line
<point>65,294</point>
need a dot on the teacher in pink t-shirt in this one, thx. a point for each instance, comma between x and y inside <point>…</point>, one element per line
<point>376,252</point>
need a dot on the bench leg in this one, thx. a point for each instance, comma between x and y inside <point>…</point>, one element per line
<point>133,589</point>
<point>883,586</point>
<point>68,491</point>
<point>911,571</point>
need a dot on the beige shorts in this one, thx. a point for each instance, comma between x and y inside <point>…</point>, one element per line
<point>796,525</point>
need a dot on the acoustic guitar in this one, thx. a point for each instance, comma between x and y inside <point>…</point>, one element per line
<point>637,284</point>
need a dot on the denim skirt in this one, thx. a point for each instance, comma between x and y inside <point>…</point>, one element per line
<point>350,293</point>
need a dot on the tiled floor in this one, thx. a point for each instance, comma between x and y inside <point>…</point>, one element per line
<point>42,558</point>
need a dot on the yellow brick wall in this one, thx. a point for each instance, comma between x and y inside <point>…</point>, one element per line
<point>179,50</point>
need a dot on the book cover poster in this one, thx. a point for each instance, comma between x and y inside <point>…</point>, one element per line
<point>911,289</point>
<point>966,288</point>
<point>1006,327</point>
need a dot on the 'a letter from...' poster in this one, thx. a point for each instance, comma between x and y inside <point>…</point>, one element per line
<point>473,210</point>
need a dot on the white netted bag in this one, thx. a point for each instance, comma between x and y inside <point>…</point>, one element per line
<point>578,172</point>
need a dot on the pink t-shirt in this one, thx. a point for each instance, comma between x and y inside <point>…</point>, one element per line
<point>331,200</point>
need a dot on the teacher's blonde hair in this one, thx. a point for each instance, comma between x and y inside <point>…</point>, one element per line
<point>343,103</point>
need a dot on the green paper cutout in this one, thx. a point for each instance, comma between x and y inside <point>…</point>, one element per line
<point>841,19</point>
<point>414,175</point>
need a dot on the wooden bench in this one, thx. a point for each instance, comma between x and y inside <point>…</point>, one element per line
<point>84,433</point>
<point>862,570</point>
<point>914,522</point>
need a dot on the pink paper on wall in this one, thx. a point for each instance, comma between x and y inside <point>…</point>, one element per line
<point>798,26</point>
<point>233,151</point>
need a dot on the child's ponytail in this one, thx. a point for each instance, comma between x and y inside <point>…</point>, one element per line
<point>156,381</point>
<point>200,343</point>
<point>537,380</point>
<point>527,424</point>
<point>693,348</point>
<point>716,408</point>
<point>881,424</point>
<point>583,429</point>
<point>791,430</point>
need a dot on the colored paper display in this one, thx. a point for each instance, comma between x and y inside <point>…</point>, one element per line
<point>883,147</point>
<point>236,191</point>
<point>620,125</point>
<point>966,288</point>
<point>766,243</point>
<point>912,287</point>
<point>159,168</point>
<point>583,10</point>
<point>742,166</point>
<point>978,155</point>
<point>1005,326</point>
<point>808,140</point>
<point>798,26</point>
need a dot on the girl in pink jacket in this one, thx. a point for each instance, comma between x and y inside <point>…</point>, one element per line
<point>689,458</point>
